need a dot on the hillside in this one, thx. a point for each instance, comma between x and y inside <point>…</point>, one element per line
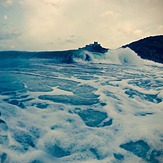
<point>150,48</point>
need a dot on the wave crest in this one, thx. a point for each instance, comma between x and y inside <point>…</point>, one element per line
<point>123,56</point>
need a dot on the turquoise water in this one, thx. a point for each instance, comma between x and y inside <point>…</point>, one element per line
<point>80,112</point>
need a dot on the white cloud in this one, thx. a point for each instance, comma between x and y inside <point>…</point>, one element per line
<point>5,17</point>
<point>160,28</point>
<point>108,13</point>
<point>128,30</point>
<point>50,24</point>
<point>7,2</point>
<point>138,32</point>
<point>12,46</point>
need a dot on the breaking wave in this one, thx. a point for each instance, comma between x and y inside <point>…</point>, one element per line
<point>122,56</point>
<point>97,113</point>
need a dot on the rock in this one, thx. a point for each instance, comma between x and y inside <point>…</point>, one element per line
<point>95,47</point>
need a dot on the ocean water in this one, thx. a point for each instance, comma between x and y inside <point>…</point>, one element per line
<point>104,108</point>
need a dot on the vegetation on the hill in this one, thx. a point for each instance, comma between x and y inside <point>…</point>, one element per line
<point>150,48</point>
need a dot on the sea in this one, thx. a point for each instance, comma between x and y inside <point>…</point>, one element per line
<point>80,106</point>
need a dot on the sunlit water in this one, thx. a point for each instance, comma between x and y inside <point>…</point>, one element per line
<point>81,112</point>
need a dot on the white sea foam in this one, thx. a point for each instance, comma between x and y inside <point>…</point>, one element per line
<point>82,112</point>
<point>122,56</point>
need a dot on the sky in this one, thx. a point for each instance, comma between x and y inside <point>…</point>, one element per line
<point>36,25</point>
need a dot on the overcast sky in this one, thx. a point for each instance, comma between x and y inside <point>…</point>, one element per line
<point>68,24</point>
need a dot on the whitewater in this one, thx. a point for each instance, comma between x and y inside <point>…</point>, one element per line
<point>80,106</point>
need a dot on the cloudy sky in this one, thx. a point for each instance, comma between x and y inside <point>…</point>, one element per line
<point>68,24</point>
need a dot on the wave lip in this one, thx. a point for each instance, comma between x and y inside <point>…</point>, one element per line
<point>122,56</point>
